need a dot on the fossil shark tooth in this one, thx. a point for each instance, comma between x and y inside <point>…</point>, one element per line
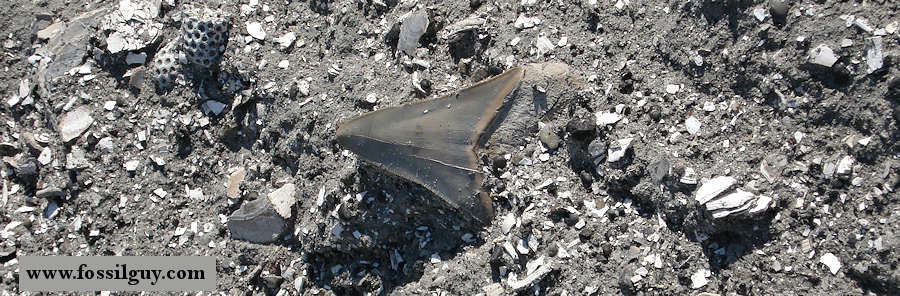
<point>432,142</point>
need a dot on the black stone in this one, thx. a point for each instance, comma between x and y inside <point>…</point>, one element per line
<point>580,128</point>
<point>499,163</point>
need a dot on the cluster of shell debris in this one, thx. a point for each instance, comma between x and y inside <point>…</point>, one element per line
<point>737,203</point>
<point>204,35</point>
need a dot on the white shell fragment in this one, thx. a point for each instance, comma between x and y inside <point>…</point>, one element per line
<point>739,202</point>
<point>712,188</point>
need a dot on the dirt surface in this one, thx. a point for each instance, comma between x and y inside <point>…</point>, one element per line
<point>703,89</point>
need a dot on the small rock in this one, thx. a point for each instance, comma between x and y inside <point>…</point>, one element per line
<point>831,261</point>
<point>672,88</point>
<point>874,56</point>
<point>283,199</point>
<point>286,40</point>
<point>713,188</point>
<point>411,29</point>
<point>50,192</point>
<point>698,279</point>
<point>548,137</point>
<point>659,170</point>
<point>132,165</point>
<point>760,13</point>
<point>525,22</point>
<point>606,118</point>
<point>692,125</point>
<point>74,123</point>
<point>136,58</point>
<point>76,159</point>
<point>844,166</point>
<point>106,145</point>
<point>284,64</point>
<point>255,29</point>
<point>372,98</point>
<point>779,10</point>
<point>256,221</point>
<point>597,149</point>
<point>544,45</point>
<point>234,183</point>
<point>507,223</point>
<point>46,156</point>
<point>618,149</point>
<point>822,55</point>
<point>213,107</point>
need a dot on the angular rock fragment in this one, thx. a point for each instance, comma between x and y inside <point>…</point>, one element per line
<point>74,123</point>
<point>256,221</point>
<point>618,149</point>
<point>234,183</point>
<point>831,261</point>
<point>822,55</point>
<point>411,29</point>
<point>283,199</point>
<point>874,56</point>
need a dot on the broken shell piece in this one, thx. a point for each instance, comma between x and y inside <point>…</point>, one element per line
<point>713,188</point>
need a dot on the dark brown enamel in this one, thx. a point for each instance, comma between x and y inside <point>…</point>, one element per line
<point>432,142</point>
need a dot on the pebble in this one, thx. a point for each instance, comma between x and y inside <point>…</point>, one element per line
<point>618,149</point>
<point>525,22</point>
<point>256,221</point>
<point>234,183</point>
<point>874,56</point>
<point>712,188</point>
<point>411,29</point>
<point>74,123</point>
<point>109,105</point>
<point>283,199</point>
<point>832,262</point>
<point>544,45</point>
<point>132,165</point>
<point>284,64</point>
<point>732,203</point>
<point>46,156</point>
<point>692,124</point>
<point>372,98</point>
<point>255,29</point>
<point>286,40</point>
<point>709,106</point>
<point>699,278</point>
<point>605,118</point>
<point>760,13</point>
<point>507,223</point>
<point>822,55</point>
<point>106,145</point>
<point>845,166</point>
<point>548,137</point>
<point>672,88</point>
<point>213,107</point>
